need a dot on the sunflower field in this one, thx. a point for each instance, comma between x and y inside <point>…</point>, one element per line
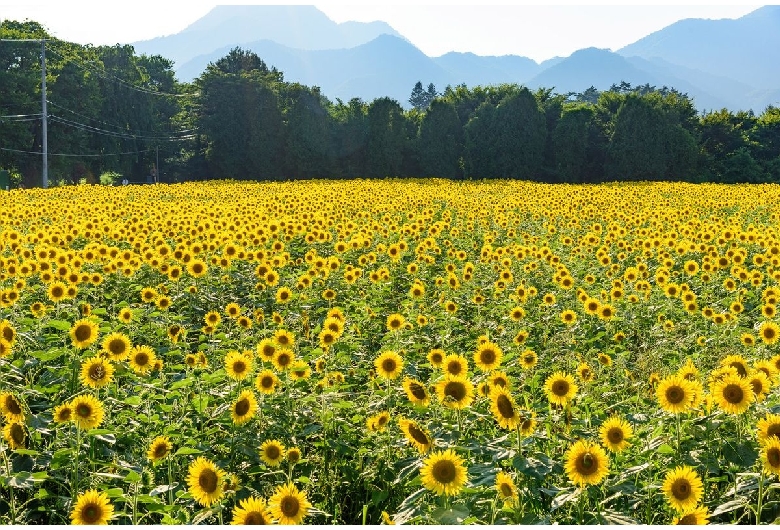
<point>390,351</point>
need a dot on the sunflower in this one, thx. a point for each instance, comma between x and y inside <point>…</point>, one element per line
<point>163,303</point>
<point>87,411</point>
<point>499,378</point>
<point>197,268</point>
<point>5,348</point>
<point>456,365</point>
<point>283,295</point>
<point>57,291</point>
<point>528,359</point>
<point>395,322</point>
<point>142,359</point>
<point>83,333</point>
<point>92,507</point>
<point>615,433</point>
<point>284,358</point>
<point>238,365</point>
<point>14,434</point>
<point>738,363</point>
<point>436,357</point>
<point>568,317</point>
<point>770,456</point>
<point>507,491</point>
<point>159,448</point>
<point>389,365</point>
<point>63,413</point>
<point>416,435</point>
<point>504,408</point>
<point>488,356</point>
<point>212,318</point>
<point>378,422</point>
<point>688,371</point>
<point>768,428</point>
<point>759,384</point>
<point>733,394</point>
<point>327,338</point>
<point>148,295</point>
<point>443,473</point>
<point>586,463</point>
<point>252,511</point>
<point>561,388</point>
<point>517,313</point>
<point>284,338</point>
<point>455,392</point>
<point>116,346</point>
<point>293,455</point>
<point>300,370</point>
<point>11,407</point>
<point>769,332</point>
<point>125,315</point>
<point>605,359</point>
<point>695,516</point>
<point>244,408</point>
<point>527,422</point>
<point>674,394</point>
<point>266,382</point>
<point>206,481</point>
<point>768,368</point>
<point>585,372</point>
<point>266,350</point>
<point>233,310</point>
<point>683,488</point>
<point>288,505</point>
<point>272,452</point>
<point>96,372</point>
<point>416,392</point>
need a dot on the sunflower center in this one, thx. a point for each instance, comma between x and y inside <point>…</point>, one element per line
<point>160,450</point>
<point>83,410</point>
<point>499,381</point>
<point>83,332</point>
<point>506,489</point>
<point>13,406</point>
<point>528,359</point>
<point>239,367</point>
<point>436,358</point>
<point>242,407</point>
<point>57,291</point>
<point>454,368</point>
<point>418,435</point>
<point>17,433</point>
<point>681,489</point>
<point>487,356</point>
<point>272,452</point>
<point>208,480</point>
<point>689,519</point>
<point>505,407</point>
<point>773,430</point>
<point>267,382</point>
<point>769,333</point>
<point>388,365</point>
<point>456,390</point>
<point>328,338</point>
<point>733,394</point>
<point>444,471</point>
<point>773,457</point>
<point>283,359</point>
<point>65,414</point>
<point>675,395</point>
<point>740,369</point>
<point>97,372</point>
<point>91,513</point>
<point>560,388</point>
<point>290,506</point>
<point>254,518</point>
<point>758,388</point>
<point>268,351</point>
<point>586,464</point>
<point>141,359</point>
<point>116,347</point>
<point>417,390</point>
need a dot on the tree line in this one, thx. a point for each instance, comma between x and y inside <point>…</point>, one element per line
<point>240,119</point>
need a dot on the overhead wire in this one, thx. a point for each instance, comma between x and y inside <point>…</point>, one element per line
<point>125,131</point>
<point>39,153</point>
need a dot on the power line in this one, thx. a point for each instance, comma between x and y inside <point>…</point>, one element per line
<point>126,136</point>
<point>182,131</point>
<point>39,153</point>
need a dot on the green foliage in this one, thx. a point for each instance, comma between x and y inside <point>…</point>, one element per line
<point>441,141</point>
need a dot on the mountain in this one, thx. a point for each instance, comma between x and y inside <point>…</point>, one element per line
<point>385,66</point>
<point>746,49</point>
<point>474,69</point>
<point>300,27</point>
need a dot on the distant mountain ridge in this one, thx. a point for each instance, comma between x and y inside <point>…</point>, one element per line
<point>719,63</point>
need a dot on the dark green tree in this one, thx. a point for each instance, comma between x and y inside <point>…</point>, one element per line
<point>441,141</point>
<point>387,138</point>
<point>307,148</point>
<point>350,138</point>
<point>421,98</point>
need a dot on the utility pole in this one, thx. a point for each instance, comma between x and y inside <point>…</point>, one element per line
<point>44,131</point>
<point>157,165</point>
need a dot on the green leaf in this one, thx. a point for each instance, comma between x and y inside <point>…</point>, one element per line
<point>187,451</point>
<point>454,515</point>
<point>133,401</point>
<point>665,449</point>
<point>564,498</point>
<point>60,325</point>
<point>132,477</point>
<point>200,403</point>
<point>730,506</point>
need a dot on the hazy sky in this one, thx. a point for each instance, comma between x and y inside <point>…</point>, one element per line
<point>535,31</point>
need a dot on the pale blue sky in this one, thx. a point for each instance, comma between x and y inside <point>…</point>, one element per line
<point>535,31</point>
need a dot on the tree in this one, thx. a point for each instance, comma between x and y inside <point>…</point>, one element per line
<point>350,138</point>
<point>307,150</point>
<point>387,136</point>
<point>571,142</point>
<point>441,141</point>
<point>421,99</point>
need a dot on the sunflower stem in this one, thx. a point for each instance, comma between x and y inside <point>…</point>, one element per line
<point>170,483</point>
<point>760,506</point>
<point>10,489</point>
<point>75,485</point>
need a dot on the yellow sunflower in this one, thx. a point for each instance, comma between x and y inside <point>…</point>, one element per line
<point>769,332</point>
<point>759,384</point>
<point>116,346</point>
<point>244,408</point>
<point>682,488</point>
<point>288,505</point>
<point>284,358</point>
<point>527,422</point>
<point>92,507</point>
<point>695,516</point>
<point>561,388</point>
<point>455,365</point>
<point>455,392</point>
<point>586,463</point>
<point>416,435</point>
<point>443,473</point>
<point>770,456</point>
<point>528,359</point>
<point>675,394</point>
<point>416,392</point>
<point>266,350</point>
<point>266,382</point>
<point>11,407</point>
<point>395,322</point>
<point>615,433</point>
<point>488,356</point>
<point>97,372</point>
<point>63,413</point>
<point>389,365</point>
<point>284,338</point>
<point>293,455</point>
<point>14,435</point>
<point>505,485</point>
<point>87,411</point>
<point>5,348</point>
<point>125,315</point>
<point>738,362</point>
<point>206,481</point>
<point>142,359</point>
<point>272,452</point>
<point>733,394</point>
<point>504,408</point>
<point>436,357</point>
<point>238,365</point>
<point>378,422</point>
<point>252,511</point>
<point>159,448</point>
<point>768,428</point>
<point>83,333</point>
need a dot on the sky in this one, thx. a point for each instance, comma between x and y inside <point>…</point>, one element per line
<point>536,31</point>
